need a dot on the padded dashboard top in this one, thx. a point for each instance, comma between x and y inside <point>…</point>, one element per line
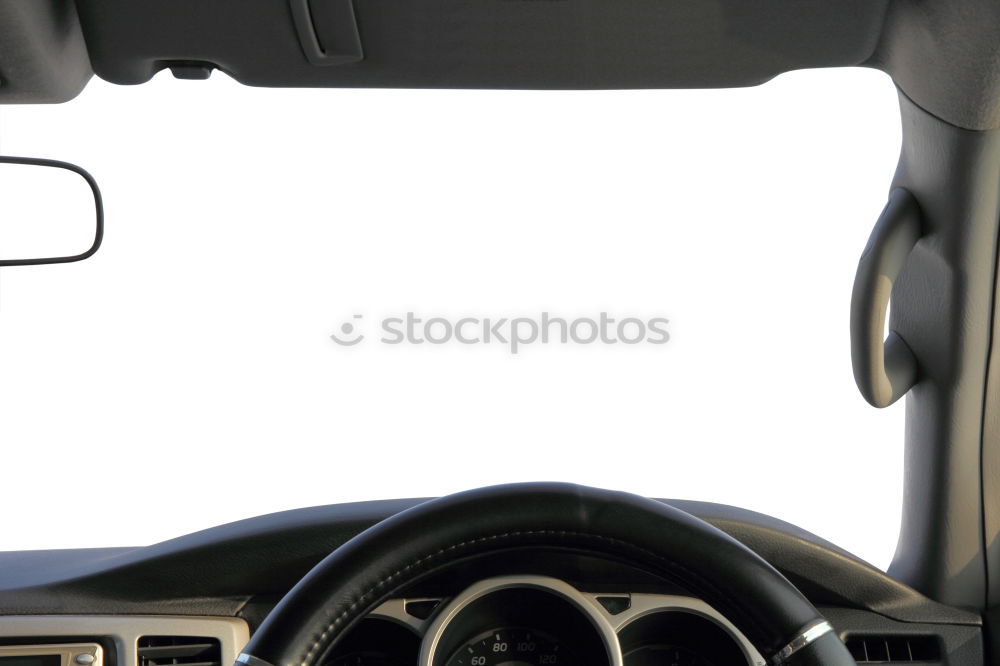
<point>221,570</point>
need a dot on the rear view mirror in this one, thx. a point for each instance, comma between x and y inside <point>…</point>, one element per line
<point>50,212</point>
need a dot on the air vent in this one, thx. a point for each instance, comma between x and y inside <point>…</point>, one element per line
<point>894,649</point>
<point>179,651</point>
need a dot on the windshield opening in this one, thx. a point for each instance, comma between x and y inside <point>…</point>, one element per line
<point>713,234</point>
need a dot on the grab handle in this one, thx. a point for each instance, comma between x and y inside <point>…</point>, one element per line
<point>884,370</point>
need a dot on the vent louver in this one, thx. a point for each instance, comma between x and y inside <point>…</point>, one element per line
<point>179,651</point>
<point>894,649</point>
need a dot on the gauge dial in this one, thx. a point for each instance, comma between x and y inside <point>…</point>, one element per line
<point>511,647</point>
<point>368,658</point>
<point>377,642</point>
<point>664,655</point>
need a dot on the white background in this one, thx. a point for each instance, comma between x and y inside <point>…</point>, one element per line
<point>145,391</point>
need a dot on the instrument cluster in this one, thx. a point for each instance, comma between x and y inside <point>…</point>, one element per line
<point>541,621</point>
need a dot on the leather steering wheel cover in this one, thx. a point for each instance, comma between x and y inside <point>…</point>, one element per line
<point>652,536</point>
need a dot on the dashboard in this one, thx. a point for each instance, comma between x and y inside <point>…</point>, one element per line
<point>543,621</point>
<point>165,599</point>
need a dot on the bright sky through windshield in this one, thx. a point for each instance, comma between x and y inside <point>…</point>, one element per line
<point>186,376</point>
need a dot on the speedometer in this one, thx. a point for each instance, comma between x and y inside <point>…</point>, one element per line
<point>511,647</point>
<point>664,655</point>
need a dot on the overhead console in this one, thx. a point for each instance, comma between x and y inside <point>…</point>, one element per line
<point>490,44</point>
<point>525,44</point>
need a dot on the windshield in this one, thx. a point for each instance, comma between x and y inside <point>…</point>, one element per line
<point>312,294</point>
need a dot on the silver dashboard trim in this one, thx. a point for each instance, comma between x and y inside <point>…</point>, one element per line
<point>395,611</point>
<point>810,635</point>
<point>441,620</point>
<point>642,605</point>
<point>125,630</point>
<point>70,654</point>
<point>608,624</point>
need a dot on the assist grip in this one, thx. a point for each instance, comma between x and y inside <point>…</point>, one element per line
<point>884,370</point>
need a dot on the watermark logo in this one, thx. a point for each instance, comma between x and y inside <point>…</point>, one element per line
<point>348,335</point>
<point>514,333</point>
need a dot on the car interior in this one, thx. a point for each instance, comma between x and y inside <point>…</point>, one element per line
<point>544,574</point>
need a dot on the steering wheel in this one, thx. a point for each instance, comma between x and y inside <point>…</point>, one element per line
<point>382,561</point>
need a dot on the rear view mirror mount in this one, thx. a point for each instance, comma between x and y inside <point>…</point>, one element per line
<point>51,212</point>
